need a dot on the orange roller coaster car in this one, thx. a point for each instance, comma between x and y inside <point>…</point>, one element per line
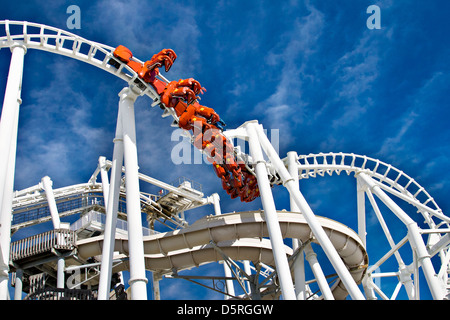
<point>206,125</point>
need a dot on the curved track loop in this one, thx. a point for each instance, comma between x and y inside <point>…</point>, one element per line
<point>385,175</point>
<point>58,41</point>
<point>328,163</point>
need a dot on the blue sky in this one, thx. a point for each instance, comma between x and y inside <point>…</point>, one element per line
<point>311,69</point>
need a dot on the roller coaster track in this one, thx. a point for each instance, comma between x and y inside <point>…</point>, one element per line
<point>387,177</point>
<point>57,41</point>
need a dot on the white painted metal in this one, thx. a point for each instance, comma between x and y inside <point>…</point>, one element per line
<point>361,207</point>
<point>47,186</point>
<point>189,247</point>
<point>311,257</point>
<point>111,213</point>
<point>268,204</point>
<point>104,177</point>
<point>18,285</point>
<point>229,283</point>
<point>138,280</point>
<point>156,290</point>
<point>299,264</point>
<point>8,144</point>
<point>304,207</point>
<point>415,238</point>
<point>60,273</point>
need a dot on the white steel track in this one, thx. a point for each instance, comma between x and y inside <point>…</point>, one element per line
<point>57,41</point>
<point>387,176</point>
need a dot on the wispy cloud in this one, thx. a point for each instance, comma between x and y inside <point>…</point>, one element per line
<point>299,44</point>
<point>148,27</point>
<point>396,144</point>
<point>57,135</point>
<point>356,72</point>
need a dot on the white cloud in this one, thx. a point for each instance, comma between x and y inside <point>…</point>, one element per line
<point>146,28</point>
<point>420,114</point>
<point>356,72</point>
<point>57,134</point>
<point>300,43</point>
<point>396,145</point>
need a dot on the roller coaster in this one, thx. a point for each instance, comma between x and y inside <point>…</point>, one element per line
<point>109,238</point>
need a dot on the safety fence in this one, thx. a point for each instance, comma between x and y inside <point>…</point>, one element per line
<point>40,211</point>
<point>59,239</point>
<point>61,294</point>
<point>100,218</point>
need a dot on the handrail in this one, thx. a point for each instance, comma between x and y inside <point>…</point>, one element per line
<point>59,239</point>
<point>61,294</point>
<point>387,175</point>
<point>98,217</point>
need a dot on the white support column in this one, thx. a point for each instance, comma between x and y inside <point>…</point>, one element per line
<point>299,264</point>
<point>216,203</point>
<point>310,218</point>
<point>229,283</point>
<point>60,279</point>
<point>138,280</point>
<point>112,206</point>
<point>6,219</point>
<point>105,180</point>
<point>8,144</point>
<point>361,205</point>
<point>415,238</point>
<point>270,214</point>
<point>311,256</point>
<point>47,186</point>
<point>156,290</point>
<point>10,110</point>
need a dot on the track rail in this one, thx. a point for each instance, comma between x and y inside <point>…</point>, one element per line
<point>58,41</point>
<point>388,177</point>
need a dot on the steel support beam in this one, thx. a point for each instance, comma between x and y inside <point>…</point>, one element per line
<point>414,236</point>
<point>138,280</point>
<point>47,186</point>
<point>270,214</point>
<point>9,124</point>
<point>310,218</point>
<point>112,206</point>
<point>299,263</point>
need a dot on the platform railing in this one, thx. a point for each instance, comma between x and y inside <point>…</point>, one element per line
<point>61,294</point>
<point>59,239</point>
